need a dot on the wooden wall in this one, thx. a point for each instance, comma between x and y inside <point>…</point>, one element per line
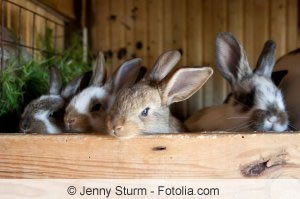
<point>29,26</point>
<point>145,28</point>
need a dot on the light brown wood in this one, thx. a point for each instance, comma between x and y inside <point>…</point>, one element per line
<point>261,26</point>
<point>129,24</point>
<point>195,49</point>
<point>248,35</point>
<point>20,22</point>
<point>170,156</point>
<point>141,27</point>
<point>278,26</point>
<point>117,32</point>
<point>235,18</point>
<point>101,34</point>
<point>292,24</point>
<point>209,46</point>
<point>155,30</point>
<point>65,7</point>
<point>219,25</point>
<point>168,24</point>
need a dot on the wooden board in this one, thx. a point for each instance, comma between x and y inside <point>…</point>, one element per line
<point>141,33</point>
<point>65,7</point>
<point>194,49</point>
<point>193,25</point>
<point>155,30</point>
<point>220,156</point>
<point>278,26</point>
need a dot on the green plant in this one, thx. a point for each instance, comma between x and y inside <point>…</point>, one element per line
<point>21,81</point>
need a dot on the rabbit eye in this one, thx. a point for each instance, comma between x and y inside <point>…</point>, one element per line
<point>57,114</point>
<point>96,107</point>
<point>145,112</point>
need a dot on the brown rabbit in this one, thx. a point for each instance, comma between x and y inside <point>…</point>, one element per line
<point>86,111</point>
<point>144,107</point>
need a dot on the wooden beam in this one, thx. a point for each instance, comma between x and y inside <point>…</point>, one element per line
<point>219,156</point>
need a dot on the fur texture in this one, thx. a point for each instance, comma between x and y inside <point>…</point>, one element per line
<point>290,85</point>
<point>87,111</point>
<point>255,104</point>
<point>144,107</point>
<point>45,114</point>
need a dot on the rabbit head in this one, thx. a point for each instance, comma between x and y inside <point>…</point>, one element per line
<point>45,114</point>
<point>144,107</point>
<point>87,110</point>
<point>255,101</point>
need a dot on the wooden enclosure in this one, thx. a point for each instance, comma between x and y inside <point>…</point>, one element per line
<point>124,29</point>
<point>29,20</point>
<point>145,28</point>
<point>201,156</point>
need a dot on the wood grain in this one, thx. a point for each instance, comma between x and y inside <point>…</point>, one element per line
<point>193,25</point>
<point>278,26</point>
<point>203,156</point>
<point>195,49</point>
<point>118,43</point>
<point>155,30</point>
<point>141,33</point>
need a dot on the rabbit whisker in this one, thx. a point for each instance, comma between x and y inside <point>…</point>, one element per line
<point>242,125</point>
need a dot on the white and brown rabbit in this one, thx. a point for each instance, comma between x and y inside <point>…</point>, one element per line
<point>144,107</point>
<point>87,110</point>
<point>255,104</point>
<point>45,114</point>
<point>287,73</point>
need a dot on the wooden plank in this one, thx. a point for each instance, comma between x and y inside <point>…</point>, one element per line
<point>65,7</point>
<point>141,33</point>
<point>261,26</point>
<point>209,46</point>
<point>220,20</point>
<point>278,25</point>
<point>292,24</point>
<point>198,156</point>
<point>248,33</point>
<point>101,30</point>
<point>129,23</point>
<point>117,33</point>
<point>235,18</point>
<point>180,110</point>
<point>167,25</point>
<point>155,30</point>
<point>195,47</point>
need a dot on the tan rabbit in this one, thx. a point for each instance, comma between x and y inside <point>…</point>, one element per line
<point>144,107</point>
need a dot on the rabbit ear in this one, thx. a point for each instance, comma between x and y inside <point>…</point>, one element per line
<point>266,61</point>
<point>164,64</point>
<point>184,83</point>
<point>99,71</point>
<point>76,85</point>
<point>231,58</point>
<point>55,81</point>
<point>125,76</point>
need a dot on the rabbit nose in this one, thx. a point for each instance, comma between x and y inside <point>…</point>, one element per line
<point>70,121</point>
<point>117,130</point>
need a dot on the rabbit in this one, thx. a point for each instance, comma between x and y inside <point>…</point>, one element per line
<point>86,112</point>
<point>45,114</point>
<point>144,107</point>
<point>287,73</point>
<point>255,104</point>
